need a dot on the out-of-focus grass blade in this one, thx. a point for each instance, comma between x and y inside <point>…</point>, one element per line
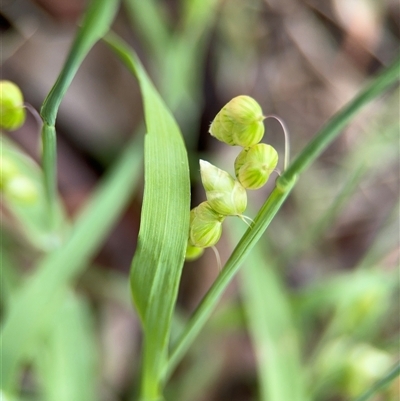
<point>7,397</point>
<point>357,301</point>
<point>29,314</point>
<point>180,50</point>
<point>386,240</point>
<point>67,360</point>
<point>32,216</point>
<point>95,24</point>
<point>183,59</point>
<point>361,303</point>
<point>204,372</point>
<point>316,231</point>
<point>151,22</point>
<point>267,212</point>
<point>273,334</point>
<point>9,276</point>
<point>273,337</point>
<point>157,263</point>
<point>380,384</point>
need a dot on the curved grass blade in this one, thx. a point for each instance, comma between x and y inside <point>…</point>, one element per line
<point>158,261</point>
<point>95,24</point>
<point>272,205</point>
<point>154,35</point>
<point>31,310</point>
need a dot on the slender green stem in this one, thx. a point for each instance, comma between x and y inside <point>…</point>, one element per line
<point>96,22</point>
<point>339,121</point>
<point>380,384</point>
<point>284,185</point>
<point>204,310</point>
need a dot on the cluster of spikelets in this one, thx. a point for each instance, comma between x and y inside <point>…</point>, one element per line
<point>239,123</point>
<point>12,111</point>
<point>13,183</point>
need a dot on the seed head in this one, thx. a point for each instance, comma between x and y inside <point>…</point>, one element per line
<point>224,194</point>
<point>254,165</point>
<point>12,112</point>
<point>205,226</point>
<point>240,122</point>
<point>193,252</point>
<point>21,189</point>
<point>8,170</point>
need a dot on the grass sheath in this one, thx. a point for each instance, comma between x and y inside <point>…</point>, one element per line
<point>49,166</point>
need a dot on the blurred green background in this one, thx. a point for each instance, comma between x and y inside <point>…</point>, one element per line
<point>327,268</point>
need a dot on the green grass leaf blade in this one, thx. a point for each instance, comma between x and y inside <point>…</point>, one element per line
<point>32,310</point>
<point>325,136</point>
<point>158,261</point>
<point>272,331</point>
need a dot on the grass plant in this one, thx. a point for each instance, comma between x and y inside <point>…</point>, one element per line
<point>49,327</point>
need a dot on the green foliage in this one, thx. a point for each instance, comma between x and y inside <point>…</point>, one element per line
<point>29,203</point>
<point>33,307</point>
<point>67,358</point>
